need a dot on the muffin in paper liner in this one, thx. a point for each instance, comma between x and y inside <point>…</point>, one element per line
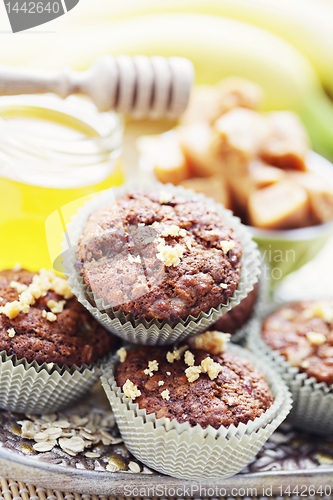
<point>186,452</point>
<point>312,409</point>
<point>32,388</point>
<point>155,332</point>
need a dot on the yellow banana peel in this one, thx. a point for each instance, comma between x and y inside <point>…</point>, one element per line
<point>307,24</point>
<point>218,47</point>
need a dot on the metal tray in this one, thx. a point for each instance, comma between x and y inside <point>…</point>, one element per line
<point>289,460</point>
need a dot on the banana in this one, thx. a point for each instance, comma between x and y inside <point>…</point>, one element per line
<point>307,24</point>
<point>218,47</point>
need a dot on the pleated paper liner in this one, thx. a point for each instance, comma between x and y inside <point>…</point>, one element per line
<point>155,331</point>
<point>262,298</point>
<point>312,400</point>
<point>32,388</point>
<point>186,452</point>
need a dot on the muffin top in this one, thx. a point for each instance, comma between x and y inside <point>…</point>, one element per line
<point>42,321</point>
<point>191,385</point>
<point>303,333</point>
<point>155,255</point>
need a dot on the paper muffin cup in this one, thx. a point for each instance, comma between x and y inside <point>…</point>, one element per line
<point>312,409</point>
<point>262,297</point>
<point>155,332</point>
<point>32,388</point>
<point>186,452</point>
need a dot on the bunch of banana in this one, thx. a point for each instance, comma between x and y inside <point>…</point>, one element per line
<point>218,47</point>
<point>307,24</point>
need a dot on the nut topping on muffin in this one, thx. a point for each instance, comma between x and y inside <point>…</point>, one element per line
<point>159,260</point>
<point>122,353</point>
<point>130,390</point>
<point>28,294</point>
<point>45,323</point>
<point>152,367</point>
<point>189,358</point>
<point>303,333</point>
<point>221,390</point>
<point>212,341</point>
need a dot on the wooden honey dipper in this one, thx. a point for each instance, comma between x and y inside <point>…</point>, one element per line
<point>140,86</point>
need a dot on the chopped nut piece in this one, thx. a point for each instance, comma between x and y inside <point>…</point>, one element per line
<point>49,316</point>
<point>11,309</point>
<point>11,332</point>
<point>136,259</point>
<point>288,314</point>
<point>152,367</point>
<point>316,338</point>
<point>189,358</point>
<point>36,291</point>
<point>213,342</point>
<point>205,364</point>
<point>173,230</point>
<point>227,246</point>
<point>224,286</point>
<point>19,287</point>
<point>213,370</point>
<point>165,394</point>
<point>305,364</point>
<point>56,307</point>
<point>26,298</point>
<point>130,390</point>
<point>168,373</point>
<point>320,310</point>
<point>170,255</point>
<point>165,197</point>
<point>176,354</point>
<point>209,366</point>
<point>192,373</point>
<point>122,353</point>
<point>17,267</point>
<point>61,287</point>
<point>189,246</point>
<point>160,383</point>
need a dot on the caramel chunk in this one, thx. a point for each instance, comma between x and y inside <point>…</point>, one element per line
<point>283,205</point>
<point>203,105</point>
<point>164,153</point>
<point>237,92</point>
<point>320,193</point>
<point>212,187</point>
<point>195,143</point>
<point>288,143</point>
<point>239,135</point>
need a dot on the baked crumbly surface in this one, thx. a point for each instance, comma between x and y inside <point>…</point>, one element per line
<point>73,337</point>
<point>237,316</point>
<point>303,333</point>
<point>238,393</point>
<point>158,256</point>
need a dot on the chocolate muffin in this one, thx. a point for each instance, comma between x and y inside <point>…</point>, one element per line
<point>158,256</point>
<point>303,333</point>
<point>193,386</point>
<point>41,320</point>
<point>239,315</point>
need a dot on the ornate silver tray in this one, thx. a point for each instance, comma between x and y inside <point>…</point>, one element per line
<point>290,461</point>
